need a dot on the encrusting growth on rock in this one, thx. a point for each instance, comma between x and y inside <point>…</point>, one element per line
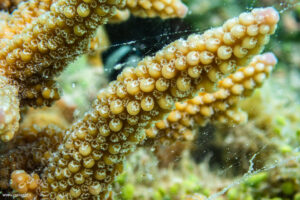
<point>220,106</point>
<point>94,148</point>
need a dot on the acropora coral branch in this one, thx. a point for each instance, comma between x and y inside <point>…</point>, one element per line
<point>94,148</point>
<point>220,106</point>
<point>41,37</point>
<point>39,134</point>
<point>46,37</point>
<point>43,47</point>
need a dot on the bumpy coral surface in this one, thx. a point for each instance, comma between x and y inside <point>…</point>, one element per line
<point>83,161</point>
<point>153,8</point>
<point>9,110</point>
<point>32,148</point>
<point>93,151</point>
<point>48,36</point>
<point>46,43</point>
<point>41,37</point>
<point>219,106</point>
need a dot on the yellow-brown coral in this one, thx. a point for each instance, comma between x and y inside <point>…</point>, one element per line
<point>44,45</point>
<point>32,148</point>
<point>42,37</point>
<point>219,106</point>
<point>153,8</point>
<point>24,183</point>
<point>94,148</point>
<point>99,43</point>
<point>9,109</point>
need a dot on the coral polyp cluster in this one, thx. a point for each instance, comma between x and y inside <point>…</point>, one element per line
<point>220,106</point>
<point>153,8</point>
<point>9,110</point>
<point>93,150</point>
<point>42,37</point>
<point>22,182</point>
<point>47,43</point>
<point>31,150</point>
<point>190,81</point>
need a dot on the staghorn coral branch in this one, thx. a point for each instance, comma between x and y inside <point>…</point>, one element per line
<point>35,143</point>
<point>150,8</point>
<point>220,106</point>
<point>94,148</point>
<point>44,44</point>
<point>44,47</point>
<point>175,127</point>
<point>42,37</point>
<point>24,15</point>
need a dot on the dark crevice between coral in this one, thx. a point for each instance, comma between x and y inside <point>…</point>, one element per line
<point>139,38</point>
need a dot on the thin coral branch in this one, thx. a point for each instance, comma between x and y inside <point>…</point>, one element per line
<point>220,106</point>
<point>98,44</point>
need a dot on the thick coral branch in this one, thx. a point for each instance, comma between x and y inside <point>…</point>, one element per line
<point>24,15</point>
<point>48,42</point>
<point>94,148</point>
<point>178,125</point>
<point>43,36</point>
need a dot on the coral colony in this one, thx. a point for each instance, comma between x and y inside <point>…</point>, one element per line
<point>187,83</point>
